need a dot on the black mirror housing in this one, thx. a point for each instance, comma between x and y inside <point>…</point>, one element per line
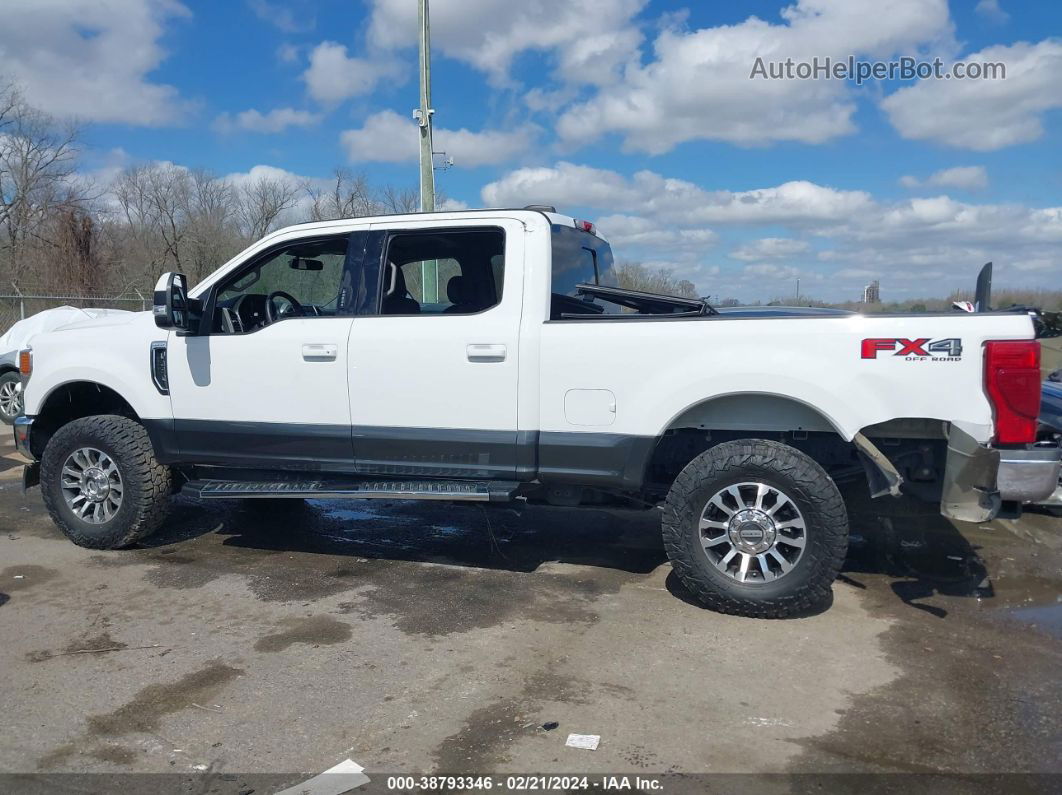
<point>172,309</point>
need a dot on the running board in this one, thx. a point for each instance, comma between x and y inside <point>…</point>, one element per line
<point>473,491</point>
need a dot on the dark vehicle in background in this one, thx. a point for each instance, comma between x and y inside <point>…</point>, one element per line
<point>1051,428</point>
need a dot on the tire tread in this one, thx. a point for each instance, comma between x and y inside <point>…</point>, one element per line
<point>811,482</point>
<point>147,482</point>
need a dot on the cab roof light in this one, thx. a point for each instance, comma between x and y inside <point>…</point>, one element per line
<point>585,226</point>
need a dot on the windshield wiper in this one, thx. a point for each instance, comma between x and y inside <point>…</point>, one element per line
<point>648,303</point>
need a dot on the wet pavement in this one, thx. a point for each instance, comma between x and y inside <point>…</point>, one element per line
<point>415,637</point>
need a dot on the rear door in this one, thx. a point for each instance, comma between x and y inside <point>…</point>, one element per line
<point>434,365</point>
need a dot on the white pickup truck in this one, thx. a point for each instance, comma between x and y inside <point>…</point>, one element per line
<point>485,355</point>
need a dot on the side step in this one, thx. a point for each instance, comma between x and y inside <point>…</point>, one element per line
<point>473,491</point>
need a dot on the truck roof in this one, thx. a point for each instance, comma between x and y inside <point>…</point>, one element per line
<point>552,217</point>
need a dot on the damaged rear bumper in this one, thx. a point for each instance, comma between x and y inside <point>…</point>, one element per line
<point>978,478</point>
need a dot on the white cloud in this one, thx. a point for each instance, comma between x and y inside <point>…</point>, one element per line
<point>632,230</point>
<point>590,39</point>
<point>92,58</point>
<point>923,246</point>
<point>674,201</point>
<point>990,10</point>
<point>334,76</point>
<point>984,114</point>
<point>770,248</point>
<point>262,171</point>
<point>287,53</point>
<point>388,137</point>
<point>772,271</point>
<point>288,16</point>
<point>275,121</point>
<point>962,177</point>
<point>697,85</point>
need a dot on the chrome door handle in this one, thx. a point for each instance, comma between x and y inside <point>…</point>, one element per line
<point>485,353</point>
<point>320,352</point>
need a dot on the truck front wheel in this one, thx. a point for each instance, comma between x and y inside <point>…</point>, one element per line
<point>102,484</point>
<point>756,528</point>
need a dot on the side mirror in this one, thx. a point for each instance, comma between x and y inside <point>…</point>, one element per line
<point>171,302</point>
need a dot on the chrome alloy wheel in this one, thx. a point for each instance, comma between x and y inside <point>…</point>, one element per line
<point>752,532</point>
<point>10,398</point>
<point>92,485</point>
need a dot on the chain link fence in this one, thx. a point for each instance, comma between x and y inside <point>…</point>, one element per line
<point>20,303</point>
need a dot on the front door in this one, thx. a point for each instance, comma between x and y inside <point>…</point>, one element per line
<point>433,369</point>
<point>267,387</point>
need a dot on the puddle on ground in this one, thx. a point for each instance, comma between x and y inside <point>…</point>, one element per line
<point>312,630</point>
<point>1045,618</point>
<point>21,578</point>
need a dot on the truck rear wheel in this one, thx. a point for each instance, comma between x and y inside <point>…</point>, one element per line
<point>756,528</point>
<point>102,484</point>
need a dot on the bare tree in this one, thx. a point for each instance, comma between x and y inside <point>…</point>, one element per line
<point>400,200</point>
<point>212,238</point>
<point>38,158</point>
<point>261,202</point>
<point>72,234</point>
<point>154,200</point>
<point>348,196</point>
<point>634,276</point>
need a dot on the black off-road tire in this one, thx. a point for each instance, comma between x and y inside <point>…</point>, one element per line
<point>146,483</point>
<point>777,465</point>
<point>11,378</point>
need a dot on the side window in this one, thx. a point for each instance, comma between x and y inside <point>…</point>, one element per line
<point>304,279</point>
<point>443,272</point>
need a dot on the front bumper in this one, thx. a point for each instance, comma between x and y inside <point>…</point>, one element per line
<point>978,478</point>
<point>31,473</point>
<point>22,428</point>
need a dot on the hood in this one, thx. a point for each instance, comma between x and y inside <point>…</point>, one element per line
<point>117,318</point>
<point>51,319</point>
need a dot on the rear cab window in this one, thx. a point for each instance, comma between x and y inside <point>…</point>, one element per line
<point>579,257</point>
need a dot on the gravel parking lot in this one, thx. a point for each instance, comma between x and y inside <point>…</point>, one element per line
<point>253,638</point>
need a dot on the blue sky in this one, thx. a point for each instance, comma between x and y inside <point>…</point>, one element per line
<point>638,114</point>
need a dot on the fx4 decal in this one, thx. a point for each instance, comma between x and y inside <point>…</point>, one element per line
<point>923,348</point>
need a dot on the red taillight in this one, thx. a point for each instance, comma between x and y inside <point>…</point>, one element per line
<point>1012,381</point>
<point>585,226</point>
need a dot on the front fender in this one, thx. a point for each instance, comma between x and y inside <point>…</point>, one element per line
<point>117,357</point>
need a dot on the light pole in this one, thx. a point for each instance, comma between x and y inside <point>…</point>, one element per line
<point>424,113</point>
<point>429,271</point>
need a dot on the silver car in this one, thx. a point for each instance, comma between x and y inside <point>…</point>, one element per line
<point>10,387</point>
